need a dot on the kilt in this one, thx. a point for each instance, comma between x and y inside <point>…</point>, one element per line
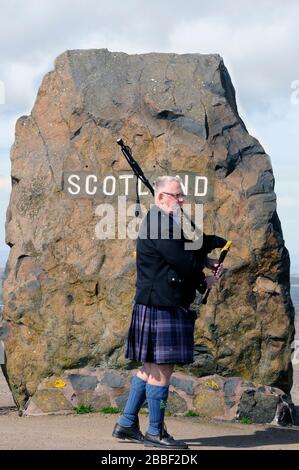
<point>161,335</point>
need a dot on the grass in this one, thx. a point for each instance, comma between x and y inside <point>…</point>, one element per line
<point>245,420</point>
<point>82,409</point>
<point>110,410</point>
<point>191,413</point>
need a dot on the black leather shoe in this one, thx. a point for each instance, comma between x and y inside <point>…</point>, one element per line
<point>131,433</point>
<point>163,440</point>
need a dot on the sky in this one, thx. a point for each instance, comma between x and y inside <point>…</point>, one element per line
<point>258,41</point>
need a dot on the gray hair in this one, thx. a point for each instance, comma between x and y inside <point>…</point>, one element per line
<point>162,181</point>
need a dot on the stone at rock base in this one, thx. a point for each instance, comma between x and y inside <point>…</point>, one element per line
<point>209,404</point>
<point>50,400</point>
<point>92,399</point>
<point>236,399</point>
<point>258,407</point>
<point>176,403</point>
<point>213,397</point>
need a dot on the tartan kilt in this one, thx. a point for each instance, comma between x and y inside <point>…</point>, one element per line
<point>161,335</point>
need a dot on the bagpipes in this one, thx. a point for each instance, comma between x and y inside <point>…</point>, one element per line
<point>209,243</point>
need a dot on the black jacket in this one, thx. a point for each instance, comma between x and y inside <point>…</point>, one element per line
<point>167,274</point>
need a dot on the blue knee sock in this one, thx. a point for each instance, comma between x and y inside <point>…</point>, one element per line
<point>135,400</point>
<point>156,400</point>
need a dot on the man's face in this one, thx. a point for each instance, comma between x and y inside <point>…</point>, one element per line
<point>171,197</point>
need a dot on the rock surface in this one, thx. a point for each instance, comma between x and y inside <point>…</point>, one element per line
<point>68,295</point>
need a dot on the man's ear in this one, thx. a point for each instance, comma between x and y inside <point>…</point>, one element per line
<point>160,196</point>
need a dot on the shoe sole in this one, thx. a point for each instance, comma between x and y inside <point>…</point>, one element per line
<point>123,437</point>
<point>154,444</point>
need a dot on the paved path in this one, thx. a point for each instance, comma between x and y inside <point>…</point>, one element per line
<point>94,432</point>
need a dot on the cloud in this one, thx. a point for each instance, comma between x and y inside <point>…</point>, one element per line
<point>259,45</point>
<point>21,81</point>
<point>7,131</point>
<point>5,184</point>
<point>287,202</point>
<point>259,55</point>
<point>3,256</point>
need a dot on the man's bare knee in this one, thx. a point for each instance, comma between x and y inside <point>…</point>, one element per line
<point>160,374</point>
<point>144,372</point>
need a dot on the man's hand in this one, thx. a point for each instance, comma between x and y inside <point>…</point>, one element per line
<point>212,281</point>
<point>214,265</point>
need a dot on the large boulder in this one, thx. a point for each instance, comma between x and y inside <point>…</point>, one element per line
<point>67,293</point>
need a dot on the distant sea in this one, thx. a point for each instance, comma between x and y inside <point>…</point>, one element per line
<point>1,280</point>
<point>295,291</point>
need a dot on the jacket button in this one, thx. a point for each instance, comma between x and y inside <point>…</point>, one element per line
<point>173,279</point>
